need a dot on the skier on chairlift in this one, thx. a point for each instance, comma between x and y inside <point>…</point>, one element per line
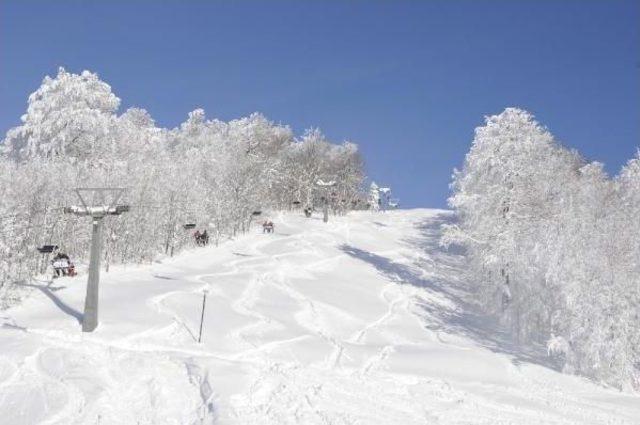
<point>267,226</point>
<point>62,266</point>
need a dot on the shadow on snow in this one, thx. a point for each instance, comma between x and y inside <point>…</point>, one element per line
<point>48,291</point>
<point>442,271</point>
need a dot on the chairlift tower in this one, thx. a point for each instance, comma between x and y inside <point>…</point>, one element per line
<point>97,213</point>
<point>325,185</point>
<point>384,197</point>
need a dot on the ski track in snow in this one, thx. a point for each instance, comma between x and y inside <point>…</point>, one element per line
<point>346,323</point>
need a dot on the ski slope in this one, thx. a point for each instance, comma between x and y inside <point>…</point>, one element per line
<point>361,321</point>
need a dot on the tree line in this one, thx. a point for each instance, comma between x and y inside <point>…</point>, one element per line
<point>553,245</point>
<point>205,171</point>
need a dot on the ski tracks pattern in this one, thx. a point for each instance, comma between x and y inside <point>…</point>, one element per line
<point>286,350</point>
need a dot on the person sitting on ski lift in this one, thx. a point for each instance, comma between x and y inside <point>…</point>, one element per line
<point>267,226</point>
<point>71,270</point>
<point>60,265</point>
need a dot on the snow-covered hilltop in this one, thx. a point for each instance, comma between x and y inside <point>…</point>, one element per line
<point>364,320</point>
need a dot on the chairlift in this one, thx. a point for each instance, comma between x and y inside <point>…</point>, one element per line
<point>256,213</point>
<point>296,202</point>
<point>119,209</point>
<point>190,220</point>
<point>47,249</point>
<point>308,211</point>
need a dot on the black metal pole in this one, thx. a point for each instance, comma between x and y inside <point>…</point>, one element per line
<point>204,300</point>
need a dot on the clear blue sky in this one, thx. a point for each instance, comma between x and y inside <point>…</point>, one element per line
<point>406,80</point>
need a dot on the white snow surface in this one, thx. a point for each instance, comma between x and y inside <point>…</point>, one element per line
<point>364,320</point>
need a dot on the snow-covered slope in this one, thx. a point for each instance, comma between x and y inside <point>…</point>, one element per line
<point>361,321</point>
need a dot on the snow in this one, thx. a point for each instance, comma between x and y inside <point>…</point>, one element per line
<point>364,320</point>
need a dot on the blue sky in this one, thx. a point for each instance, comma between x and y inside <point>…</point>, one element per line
<point>406,80</point>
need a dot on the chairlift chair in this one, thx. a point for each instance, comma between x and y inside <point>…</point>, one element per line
<point>190,219</point>
<point>47,249</point>
<point>119,209</point>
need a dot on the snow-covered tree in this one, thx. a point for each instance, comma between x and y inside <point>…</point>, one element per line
<point>542,228</point>
<point>208,172</point>
<point>70,115</point>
